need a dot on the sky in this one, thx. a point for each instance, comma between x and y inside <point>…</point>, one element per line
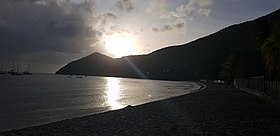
<point>48,34</point>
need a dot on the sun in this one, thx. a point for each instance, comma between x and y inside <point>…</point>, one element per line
<point>120,45</point>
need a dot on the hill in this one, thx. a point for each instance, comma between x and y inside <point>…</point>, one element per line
<point>211,57</point>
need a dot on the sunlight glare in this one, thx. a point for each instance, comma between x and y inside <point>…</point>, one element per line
<point>113,93</point>
<point>120,44</point>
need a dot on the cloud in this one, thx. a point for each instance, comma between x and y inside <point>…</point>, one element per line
<point>187,11</point>
<point>117,29</point>
<point>103,19</point>
<point>194,7</point>
<point>178,25</point>
<point>202,3</point>
<point>124,5</point>
<point>31,27</point>
<point>159,8</point>
<point>111,16</point>
<point>205,12</point>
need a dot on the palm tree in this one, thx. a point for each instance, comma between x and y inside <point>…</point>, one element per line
<point>271,53</point>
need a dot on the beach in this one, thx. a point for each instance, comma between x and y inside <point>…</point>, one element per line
<point>216,110</point>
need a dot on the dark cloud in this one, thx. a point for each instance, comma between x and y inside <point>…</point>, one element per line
<point>104,19</point>
<point>48,27</point>
<point>125,5</point>
<point>156,29</point>
<point>179,25</point>
<point>111,16</point>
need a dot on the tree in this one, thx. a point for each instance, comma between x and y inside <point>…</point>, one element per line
<point>271,53</point>
<point>242,63</point>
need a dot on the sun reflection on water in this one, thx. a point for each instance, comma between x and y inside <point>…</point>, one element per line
<point>113,93</point>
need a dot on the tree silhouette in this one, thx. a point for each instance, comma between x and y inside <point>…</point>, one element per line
<point>271,53</point>
<point>242,63</point>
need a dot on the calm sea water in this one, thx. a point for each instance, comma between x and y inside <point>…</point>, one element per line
<point>38,99</point>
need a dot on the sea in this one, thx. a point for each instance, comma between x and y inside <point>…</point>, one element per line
<point>29,100</point>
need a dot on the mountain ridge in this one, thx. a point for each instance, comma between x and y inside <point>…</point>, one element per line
<point>201,58</point>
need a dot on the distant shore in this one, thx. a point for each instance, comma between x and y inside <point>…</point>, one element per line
<point>216,110</point>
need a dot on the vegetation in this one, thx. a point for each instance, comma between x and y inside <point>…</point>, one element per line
<point>271,53</point>
<point>242,64</point>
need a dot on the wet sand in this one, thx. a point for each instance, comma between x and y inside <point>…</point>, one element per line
<point>216,110</point>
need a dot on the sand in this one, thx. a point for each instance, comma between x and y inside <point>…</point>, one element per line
<point>217,110</point>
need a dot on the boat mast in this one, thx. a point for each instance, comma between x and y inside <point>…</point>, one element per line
<point>28,67</point>
<point>1,66</point>
<point>13,65</point>
<point>18,66</point>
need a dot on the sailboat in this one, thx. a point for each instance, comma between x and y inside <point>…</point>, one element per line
<point>28,71</point>
<point>13,72</point>
<point>2,71</point>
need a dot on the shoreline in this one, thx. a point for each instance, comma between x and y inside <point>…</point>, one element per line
<point>214,110</point>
